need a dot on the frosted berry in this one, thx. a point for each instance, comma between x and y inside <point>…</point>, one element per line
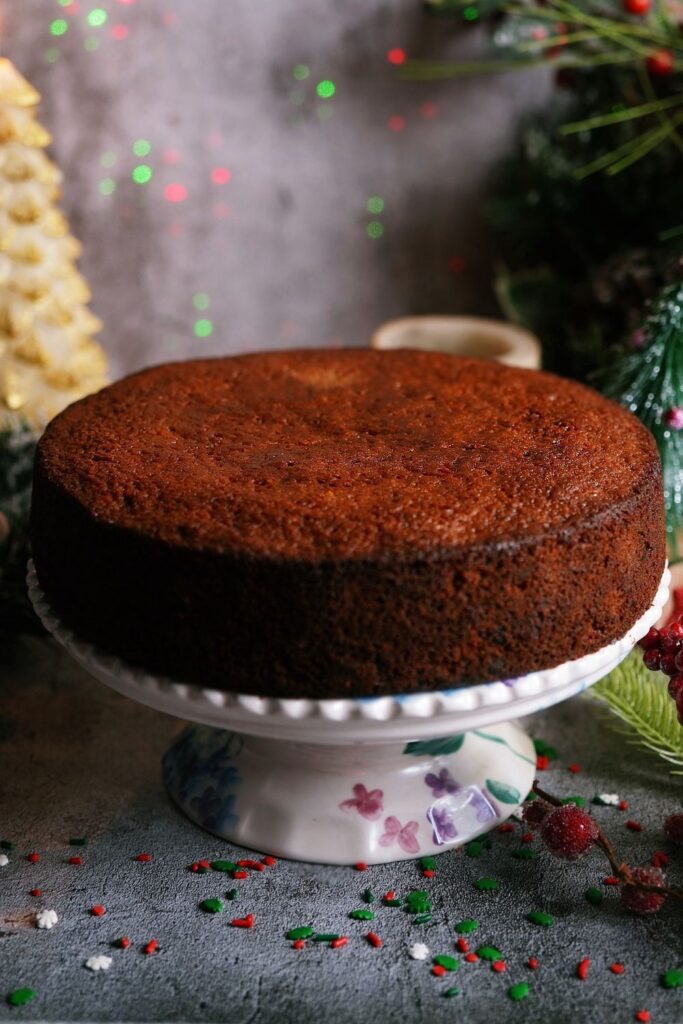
<point>675,631</point>
<point>667,665</point>
<point>650,640</point>
<point>569,832</point>
<point>535,812</point>
<point>676,686</point>
<point>639,7</point>
<point>674,417</point>
<point>673,826</point>
<point>660,63</point>
<point>679,661</point>
<point>652,659</point>
<point>643,901</point>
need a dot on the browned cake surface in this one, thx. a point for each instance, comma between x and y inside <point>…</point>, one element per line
<point>354,521</point>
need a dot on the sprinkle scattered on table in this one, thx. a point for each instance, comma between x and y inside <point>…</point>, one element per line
<point>46,919</point>
<point>98,963</point>
<point>21,996</point>
<point>418,951</point>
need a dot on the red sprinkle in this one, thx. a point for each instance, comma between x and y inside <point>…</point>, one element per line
<point>33,858</point>
<point>240,874</point>
<point>506,827</point>
<point>204,863</point>
<point>144,857</point>
<point>528,837</point>
<point>75,860</point>
<point>582,969</point>
<point>298,944</point>
<point>438,970</point>
<point>611,880</point>
<point>361,866</point>
<point>123,942</point>
<point>643,1016</point>
<point>574,769</point>
<point>499,966</point>
<point>659,860</point>
<point>36,892</point>
<point>390,895</point>
<point>542,762</point>
<point>98,910</point>
<point>462,946</point>
<point>338,943</point>
<point>243,922</point>
<point>635,826</point>
<point>374,940</point>
<point>617,968</point>
<point>622,805</point>
<point>532,963</point>
<point>269,861</point>
<point>471,958</point>
<point>255,865</point>
<point>151,947</point>
<point>428,873</point>
<point>194,867</point>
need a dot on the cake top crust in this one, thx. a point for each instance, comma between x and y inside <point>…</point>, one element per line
<point>345,454</point>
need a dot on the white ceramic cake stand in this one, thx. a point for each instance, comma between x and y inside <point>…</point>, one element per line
<point>342,781</point>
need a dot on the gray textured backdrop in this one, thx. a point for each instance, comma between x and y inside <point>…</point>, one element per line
<point>282,249</point>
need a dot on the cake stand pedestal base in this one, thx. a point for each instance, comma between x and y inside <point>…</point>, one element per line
<point>344,804</point>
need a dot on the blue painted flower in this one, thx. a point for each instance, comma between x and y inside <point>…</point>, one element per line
<point>214,810</point>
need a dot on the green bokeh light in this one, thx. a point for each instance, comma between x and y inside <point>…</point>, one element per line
<point>107,186</point>
<point>375,229</point>
<point>301,72</point>
<point>142,174</point>
<point>91,44</point>
<point>97,17</point>
<point>470,14</point>
<point>201,300</point>
<point>141,147</point>
<point>52,55</point>
<point>325,89</point>
<point>59,26</point>
<point>375,204</point>
<point>108,159</point>
<point>203,328</point>
<point>297,96</point>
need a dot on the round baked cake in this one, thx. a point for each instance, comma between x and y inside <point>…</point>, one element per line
<point>334,523</point>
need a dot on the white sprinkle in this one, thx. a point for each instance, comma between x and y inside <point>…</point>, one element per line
<point>4,860</point>
<point>46,919</point>
<point>611,799</point>
<point>98,963</point>
<point>419,951</point>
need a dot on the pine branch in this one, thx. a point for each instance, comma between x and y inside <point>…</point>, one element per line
<point>641,700</point>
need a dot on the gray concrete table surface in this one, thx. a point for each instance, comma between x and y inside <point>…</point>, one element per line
<point>77,759</point>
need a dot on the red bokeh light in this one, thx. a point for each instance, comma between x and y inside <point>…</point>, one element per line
<point>396,55</point>
<point>175,192</point>
<point>221,175</point>
<point>119,32</point>
<point>396,123</point>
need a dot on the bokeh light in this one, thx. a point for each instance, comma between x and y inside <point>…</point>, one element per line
<point>59,26</point>
<point>375,229</point>
<point>396,123</point>
<point>470,13</point>
<point>396,55</point>
<point>325,89</point>
<point>175,192</point>
<point>141,147</point>
<point>201,300</point>
<point>429,109</point>
<point>221,175</point>
<point>119,32</point>
<point>203,328</point>
<point>141,174</point>
<point>91,44</point>
<point>52,55</point>
<point>107,186</point>
<point>108,158</point>
<point>97,17</point>
<point>301,72</point>
<point>375,204</point>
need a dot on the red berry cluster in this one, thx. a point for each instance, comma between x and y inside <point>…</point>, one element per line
<point>664,653</point>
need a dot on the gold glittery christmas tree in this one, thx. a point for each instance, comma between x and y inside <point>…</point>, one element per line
<point>48,357</point>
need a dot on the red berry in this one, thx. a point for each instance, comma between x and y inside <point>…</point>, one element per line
<point>652,659</point>
<point>650,640</point>
<point>673,827</point>
<point>667,664</point>
<point>639,7</point>
<point>535,812</point>
<point>676,686</point>
<point>679,661</point>
<point>644,901</point>
<point>660,63</point>
<point>676,631</point>
<point>569,832</point>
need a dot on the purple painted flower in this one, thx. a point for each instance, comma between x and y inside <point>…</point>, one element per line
<point>484,810</point>
<point>368,803</point>
<point>405,835</point>
<point>443,826</point>
<point>442,783</point>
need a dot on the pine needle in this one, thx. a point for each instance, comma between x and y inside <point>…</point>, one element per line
<point>641,700</point>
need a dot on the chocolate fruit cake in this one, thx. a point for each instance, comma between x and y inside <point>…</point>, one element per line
<point>334,523</point>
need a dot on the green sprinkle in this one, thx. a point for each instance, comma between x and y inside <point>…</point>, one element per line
<point>79,841</point>
<point>487,884</point>
<point>475,848</point>
<point>213,906</point>
<point>540,917</point>
<point>120,944</point>
<point>544,749</point>
<point>304,931</point>
<point>326,937</point>
<point>518,992</point>
<point>418,902</point>
<point>393,903</point>
<point>594,896</point>
<point>369,896</point>
<point>489,953</point>
<point>673,978</point>
<point>362,915</point>
<point>578,800</point>
<point>423,919</point>
<point>7,845</point>
<point>223,865</point>
<point>232,894</point>
<point>449,962</point>
<point>450,992</point>
<point>525,853</point>
<point>428,863</point>
<point>467,926</point>
<point>21,996</point>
